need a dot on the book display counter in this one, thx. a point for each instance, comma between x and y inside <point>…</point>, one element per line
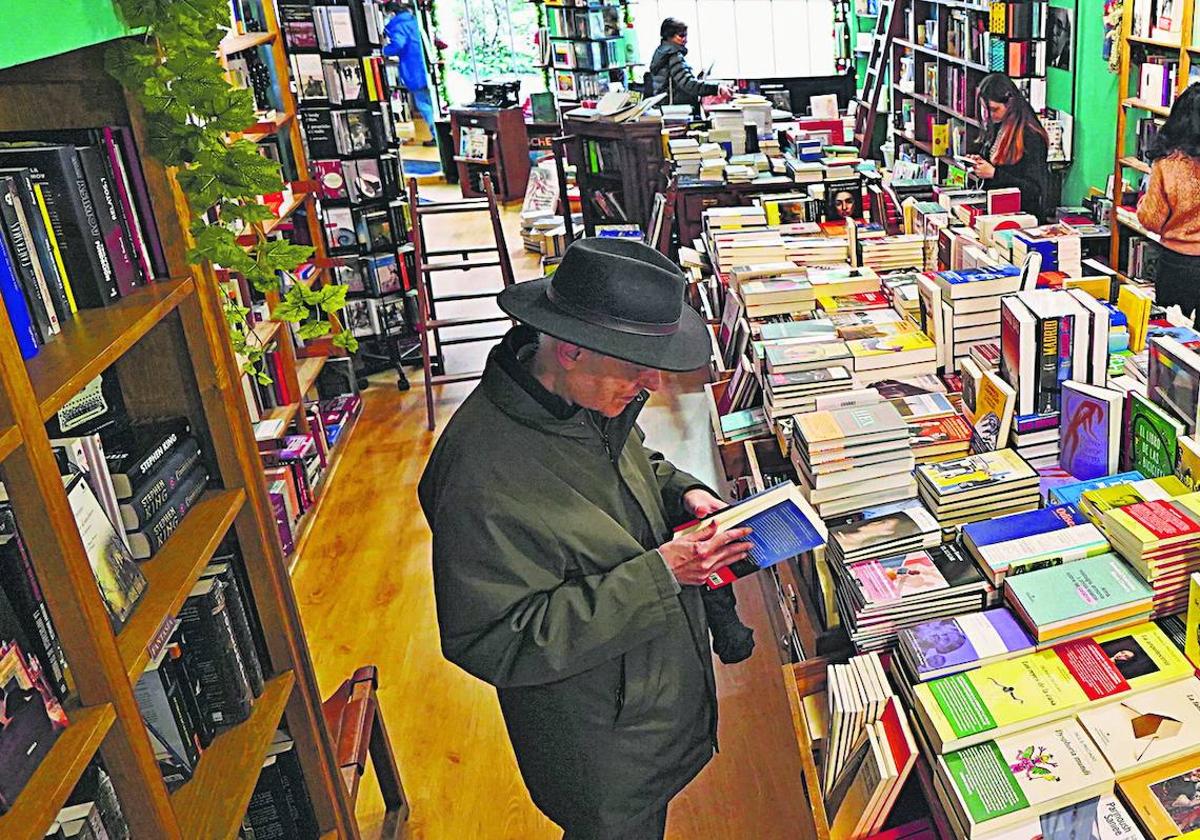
<point>984,438</point>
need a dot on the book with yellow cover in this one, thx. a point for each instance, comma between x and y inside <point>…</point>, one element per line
<point>1165,800</point>
<point>1093,503</point>
<point>976,706</point>
<point>995,401</point>
<point>1187,469</point>
<point>1135,303</point>
<point>886,345</point>
<point>1192,644</point>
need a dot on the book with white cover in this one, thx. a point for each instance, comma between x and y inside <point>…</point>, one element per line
<point>1144,731</point>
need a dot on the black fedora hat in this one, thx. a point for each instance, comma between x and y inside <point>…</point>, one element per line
<point>618,297</point>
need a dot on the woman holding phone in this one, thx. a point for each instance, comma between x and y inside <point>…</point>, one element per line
<point>1013,147</point>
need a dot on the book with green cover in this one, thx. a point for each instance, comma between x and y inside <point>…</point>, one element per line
<point>1077,597</point>
<point>976,706</point>
<point>1006,781</point>
<point>1151,438</point>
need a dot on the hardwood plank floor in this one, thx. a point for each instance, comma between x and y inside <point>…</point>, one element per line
<point>364,587</point>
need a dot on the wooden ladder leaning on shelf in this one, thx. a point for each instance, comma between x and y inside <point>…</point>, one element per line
<point>887,27</point>
<point>472,257</point>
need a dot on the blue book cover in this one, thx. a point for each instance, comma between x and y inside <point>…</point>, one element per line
<point>1024,524</point>
<point>1070,494</point>
<point>14,302</point>
<point>944,646</point>
<point>785,529</point>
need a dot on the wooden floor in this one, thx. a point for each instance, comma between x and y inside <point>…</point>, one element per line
<point>365,591</point>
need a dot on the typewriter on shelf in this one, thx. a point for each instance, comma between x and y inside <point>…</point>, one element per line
<point>497,93</point>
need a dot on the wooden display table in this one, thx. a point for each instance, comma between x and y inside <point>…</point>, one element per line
<point>508,151</point>
<point>691,202</point>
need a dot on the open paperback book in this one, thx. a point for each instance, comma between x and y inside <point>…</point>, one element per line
<point>782,525</point>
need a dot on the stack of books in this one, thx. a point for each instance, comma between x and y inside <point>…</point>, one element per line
<point>1060,246</point>
<point>961,308</point>
<point>1023,542</point>
<point>978,487</point>
<point>944,646</point>
<point>819,250</point>
<point>788,356</point>
<point>1040,771</point>
<point>797,392</point>
<point>776,296</point>
<point>1079,598</point>
<point>870,748</point>
<point>905,355</point>
<point>910,529</point>
<point>1161,540</point>
<point>1094,501</point>
<point>893,252</point>
<point>940,438</point>
<point>731,249</point>
<point>685,152</point>
<point>853,458</point>
<point>879,597</point>
<point>1037,438</point>
<point>1155,728</point>
<point>1006,697</point>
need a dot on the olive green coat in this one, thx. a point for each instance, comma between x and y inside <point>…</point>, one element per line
<point>546,590</point>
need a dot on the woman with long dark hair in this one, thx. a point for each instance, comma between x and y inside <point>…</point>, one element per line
<point>1013,147</point>
<point>1171,205</point>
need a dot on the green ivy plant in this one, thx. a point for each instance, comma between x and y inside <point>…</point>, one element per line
<point>191,108</point>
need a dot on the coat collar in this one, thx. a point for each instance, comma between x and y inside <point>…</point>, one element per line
<point>508,384</point>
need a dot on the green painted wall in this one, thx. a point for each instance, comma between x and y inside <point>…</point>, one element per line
<point>1095,106</point>
<point>36,29</point>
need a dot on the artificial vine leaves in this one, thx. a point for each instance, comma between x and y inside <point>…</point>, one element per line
<point>191,109</point>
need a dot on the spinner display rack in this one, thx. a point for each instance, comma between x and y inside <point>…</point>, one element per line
<point>347,120</point>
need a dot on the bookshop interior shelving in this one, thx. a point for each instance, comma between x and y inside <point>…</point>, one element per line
<point>167,345</point>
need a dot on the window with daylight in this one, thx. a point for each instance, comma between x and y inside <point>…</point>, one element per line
<point>745,39</point>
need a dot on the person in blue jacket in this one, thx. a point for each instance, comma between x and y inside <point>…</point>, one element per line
<point>404,42</point>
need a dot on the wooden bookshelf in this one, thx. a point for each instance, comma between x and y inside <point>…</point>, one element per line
<point>1126,155</point>
<point>321,490</point>
<point>937,51</point>
<point>169,348</point>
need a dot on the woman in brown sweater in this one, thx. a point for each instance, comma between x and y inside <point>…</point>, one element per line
<point>1171,205</point>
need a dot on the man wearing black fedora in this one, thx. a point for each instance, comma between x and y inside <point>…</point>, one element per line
<point>557,577</point>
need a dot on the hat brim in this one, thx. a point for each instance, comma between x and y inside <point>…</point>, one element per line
<point>688,348</point>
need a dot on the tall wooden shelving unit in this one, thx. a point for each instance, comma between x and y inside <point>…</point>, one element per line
<point>300,373</point>
<point>1126,158</point>
<point>938,51</point>
<point>169,346</point>
<point>284,125</point>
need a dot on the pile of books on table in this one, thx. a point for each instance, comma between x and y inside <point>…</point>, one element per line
<point>978,487</point>
<point>853,458</point>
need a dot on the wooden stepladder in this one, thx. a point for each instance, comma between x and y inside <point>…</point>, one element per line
<point>467,258</point>
<point>887,29</point>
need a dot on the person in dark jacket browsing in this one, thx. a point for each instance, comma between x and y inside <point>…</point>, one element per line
<point>557,575</point>
<point>671,74</point>
<point>1014,145</point>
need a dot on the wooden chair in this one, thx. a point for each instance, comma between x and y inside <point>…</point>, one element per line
<point>356,729</point>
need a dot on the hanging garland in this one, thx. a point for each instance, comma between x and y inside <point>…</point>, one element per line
<point>191,108</point>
